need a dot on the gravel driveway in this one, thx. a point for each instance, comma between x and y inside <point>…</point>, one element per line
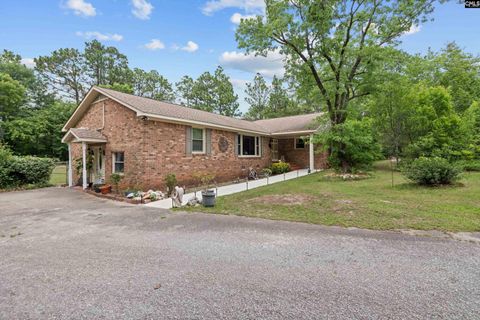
<point>68,255</point>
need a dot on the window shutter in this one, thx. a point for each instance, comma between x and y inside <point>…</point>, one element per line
<point>208,143</point>
<point>260,146</point>
<point>188,141</point>
<point>235,145</point>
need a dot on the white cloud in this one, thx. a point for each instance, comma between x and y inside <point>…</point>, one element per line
<point>28,62</point>
<point>237,17</point>
<point>142,9</point>
<point>99,36</point>
<point>82,8</point>
<point>250,6</point>
<point>268,66</point>
<point>190,47</point>
<point>155,44</point>
<point>413,29</point>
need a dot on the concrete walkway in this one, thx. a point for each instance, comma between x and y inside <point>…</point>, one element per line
<point>234,188</point>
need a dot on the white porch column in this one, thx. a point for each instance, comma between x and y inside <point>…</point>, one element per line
<point>70,173</point>
<point>84,165</point>
<point>311,154</point>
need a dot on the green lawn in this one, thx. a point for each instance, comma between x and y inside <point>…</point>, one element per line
<point>59,175</point>
<point>371,203</point>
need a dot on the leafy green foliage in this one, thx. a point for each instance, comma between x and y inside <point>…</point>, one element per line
<point>469,165</point>
<point>213,93</point>
<point>17,171</point>
<point>280,167</point>
<point>170,182</point>
<point>12,95</point>
<point>121,87</point>
<point>355,141</point>
<point>152,85</point>
<point>257,97</point>
<point>39,133</point>
<point>5,161</point>
<point>431,171</point>
<point>105,65</point>
<point>115,178</point>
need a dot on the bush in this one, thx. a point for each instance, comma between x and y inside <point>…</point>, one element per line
<point>31,170</point>
<point>431,171</point>
<point>171,182</point>
<point>352,145</point>
<point>5,161</point>
<point>470,165</point>
<point>280,167</point>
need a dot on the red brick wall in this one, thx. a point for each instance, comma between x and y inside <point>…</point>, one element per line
<point>301,157</point>
<point>153,149</point>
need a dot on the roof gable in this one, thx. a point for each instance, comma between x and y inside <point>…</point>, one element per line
<point>169,112</point>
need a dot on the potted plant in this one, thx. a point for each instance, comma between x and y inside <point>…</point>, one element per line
<point>105,189</point>
<point>208,195</point>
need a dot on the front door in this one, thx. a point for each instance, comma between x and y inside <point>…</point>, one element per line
<point>99,164</point>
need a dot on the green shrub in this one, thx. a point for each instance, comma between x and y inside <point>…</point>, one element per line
<point>431,171</point>
<point>267,172</point>
<point>5,169</point>
<point>115,179</point>
<point>280,167</point>
<point>470,165</point>
<point>171,182</point>
<point>31,170</point>
<point>352,145</point>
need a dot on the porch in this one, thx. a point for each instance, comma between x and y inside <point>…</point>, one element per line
<point>93,160</point>
<point>295,149</point>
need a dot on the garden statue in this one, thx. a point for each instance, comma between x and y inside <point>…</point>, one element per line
<point>178,196</point>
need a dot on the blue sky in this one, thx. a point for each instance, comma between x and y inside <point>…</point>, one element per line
<point>184,37</point>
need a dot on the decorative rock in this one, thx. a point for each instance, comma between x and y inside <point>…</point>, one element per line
<point>130,195</point>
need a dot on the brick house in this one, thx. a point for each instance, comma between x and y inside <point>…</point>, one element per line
<point>145,140</point>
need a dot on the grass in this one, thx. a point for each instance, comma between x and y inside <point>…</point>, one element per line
<point>370,203</point>
<point>59,175</point>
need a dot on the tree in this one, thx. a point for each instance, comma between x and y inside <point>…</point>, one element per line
<point>184,91</point>
<point>152,85</point>
<point>105,65</point>
<point>212,93</point>
<point>12,96</point>
<point>360,147</point>
<point>333,42</point>
<point>258,94</point>
<point>65,72</point>
<point>460,73</point>
<point>40,133</point>
<point>37,95</point>
<point>125,88</point>
<point>279,102</point>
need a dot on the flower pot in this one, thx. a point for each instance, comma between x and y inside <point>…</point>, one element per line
<point>106,189</point>
<point>208,198</point>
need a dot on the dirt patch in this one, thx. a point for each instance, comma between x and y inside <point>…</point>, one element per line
<point>284,199</point>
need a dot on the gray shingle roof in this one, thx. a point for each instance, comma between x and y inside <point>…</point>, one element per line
<point>174,112</point>
<point>291,124</point>
<point>87,134</point>
<point>165,109</point>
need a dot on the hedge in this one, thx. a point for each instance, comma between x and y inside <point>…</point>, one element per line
<point>16,171</point>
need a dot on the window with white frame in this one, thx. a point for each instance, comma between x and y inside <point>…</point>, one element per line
<point>118,161</point>
<point>249,146</point>
<point>198,140</point>
<point>299,143</point>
